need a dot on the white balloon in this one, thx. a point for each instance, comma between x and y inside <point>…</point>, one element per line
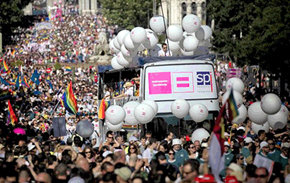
<point>121,35</point>
<point>256,128</point>
<point>153,104</point>
<point>284,110</point>
<point>237,96</point>
<point>144,113</point>
<point>271,103</point>
<point>129,44</point>
<point>129,108</point>
<point>112,47</point>
<point>115,114</point>
<point>199,134</point>
<point>174,33</point>
<point>115,64</point>
<point>198,112</point>
<point>235,83</point>
<point>187,53</point>
<point>85,128</point>
<point>242,115</point>
<point>151,40</point>
<point>278,120</point>
<point>173,46</point>
<point>203,33</point>
<point>123,61</point>
<point>114,128</point>
<point>126,52</point>
<point>116,43</point>
<point>138,35</point>
<point>157,24</point>
<point>180,108</point>
<point>191,23</point>
<point>256,114</point>
<point>190,43</point>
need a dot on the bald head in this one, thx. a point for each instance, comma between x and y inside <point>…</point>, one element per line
<point>44,177</point>
<point>83,164</point>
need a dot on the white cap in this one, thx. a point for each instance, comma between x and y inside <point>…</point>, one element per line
<point>263,144</point>
<point>226,134</point>
<point>176,142</point>
<point>226,143</point>
<point>106,153</point>
<point>241,128</point>
<point>133,138</point>
<point>248,140</point>
<point>30,146</point>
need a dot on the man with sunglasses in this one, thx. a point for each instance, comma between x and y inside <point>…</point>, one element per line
<point>274,153</point>
<point>261,175</point>
<point>164,52</point>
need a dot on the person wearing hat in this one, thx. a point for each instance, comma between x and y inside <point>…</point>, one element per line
<point>246,148</point>
<point>129,91</point>
<point>228,154</point>
<point>181,154</point>
<point>284,156</point>
<point>264,146</point>
<point>235,170</point>
<point>123,174</point>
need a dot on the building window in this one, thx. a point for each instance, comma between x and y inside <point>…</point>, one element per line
<point>183,9</point>
<point>203,14</point>
<point>193,8</point>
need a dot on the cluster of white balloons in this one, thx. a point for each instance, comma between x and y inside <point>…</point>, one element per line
<point>127,43</point>
<point>198,112</point>
<point>132,113</point>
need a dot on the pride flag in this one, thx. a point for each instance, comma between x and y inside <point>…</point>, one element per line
<point>6,68</point>
<point>11,115</point>
<point>102,109</point>
<point>232,108</point>
<point>68,69</point>
<point>24,82</point>
<point>69,100</point>
<point>18,81</point>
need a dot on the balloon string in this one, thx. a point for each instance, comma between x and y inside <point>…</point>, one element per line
<point>165,26</point>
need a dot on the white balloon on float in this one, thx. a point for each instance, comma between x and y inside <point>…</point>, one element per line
<point>115,63</point>
<point>129,108</point>
<point>199,134</point>
<point>174,33</point>
<point>186,53</point>
<point>236,83</point>
<point>256,127</point>
<point>173,46</point>
<point>284,110</point>
<point>141,47</point>
<point>203,33</point>
<point>144,113</point>
<point>256,114</point>
<point>138,35</point>
<point>157,24</point>
<point>180,108</point>
<point>198,112</point>
<point>121,35</point>
<point>190,43</point>
<point>242,115</point>
<point>237,96</point>
<point>191,23</point>
<point>129,44</point>
<point>271,103</point>
<point>116,43</point>
<point>113,127</point>
<point>115,114</point>
<point>151,40</point>
<point>126,52</point>
<point>112,47</point>
<point>153,104</point>
<point>85,128</point>
<point>277,120</point>
<point>124,61</point>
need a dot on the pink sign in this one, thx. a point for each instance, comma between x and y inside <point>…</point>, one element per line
<point>159,83</point>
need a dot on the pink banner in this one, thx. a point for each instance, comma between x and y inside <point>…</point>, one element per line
<point>159,83</point>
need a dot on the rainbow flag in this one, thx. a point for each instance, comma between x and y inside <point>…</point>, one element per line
<point>18,81</point>
<point>24,82</point>
<point>102,109</point>
<point>13,52</point>
<point>69,100</point>
<point>11,115</point>
<point>232,108</point>
<point>68,69</point>
<point>6,68</point>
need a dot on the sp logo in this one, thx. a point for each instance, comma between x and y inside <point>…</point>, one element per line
<point>203,78</point>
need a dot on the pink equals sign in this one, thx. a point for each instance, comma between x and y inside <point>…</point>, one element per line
<point>183,84</point>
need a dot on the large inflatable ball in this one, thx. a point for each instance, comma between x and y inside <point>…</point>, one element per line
<point>116,43</point>
<point>256,114</point>
<point>127,53</point>
<point>115,114</point>
<point>115,64</point>
<point>144,113</point>
<point>242,115</point>
<point>191,23</point>
<point>151,40</point>
<point>235,84</point>
<point>190,43</point>
<point>121,35</point>
<point>123,61</point>
<point>112,47</point>
<point>203,33</point>
<point>129,108</point>
<point>157,24</point>
<point>198,112</point>
<point>138,35</point>
<point>186,53</point>
<point>153,104</point>
<point>180,108</point>
<point>237,96</point>
<point>277,120</point>
<point>256,127</point>
<point>172,46</point>
<point>284,110</point>
<point>129,44</point>
<point>114,128</point>
<point>271,103</point>
<point>199,134</point>
<point>85,128</point>
<point>174,33</point>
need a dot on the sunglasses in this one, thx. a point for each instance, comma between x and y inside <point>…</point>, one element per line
<point>171,153</point>
<point>261,176</point>
<point>191,147</point>
<point>110,137</point>
<point>241,158</point>
<point>88,152</point>
<point>132,147</point>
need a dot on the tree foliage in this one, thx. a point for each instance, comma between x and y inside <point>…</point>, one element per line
<point>253,32</point>
<point>127,13</point>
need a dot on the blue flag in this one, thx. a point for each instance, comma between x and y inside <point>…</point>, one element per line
<point>35,77</point>
<point>3,81</point>
<point>17,83</point>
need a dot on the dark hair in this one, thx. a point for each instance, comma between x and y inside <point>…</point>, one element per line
<point>105,165</point>
<point>164,44</point>
<point>109,177</point>
<point>109,133</point>
<point>194,164</point>
<point>250,169</point>
<point>260,132</point>
<point>160,156</point>
<point>152,140</point>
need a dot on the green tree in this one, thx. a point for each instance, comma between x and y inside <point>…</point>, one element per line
<point>127,13</point>
<point>11,16</point>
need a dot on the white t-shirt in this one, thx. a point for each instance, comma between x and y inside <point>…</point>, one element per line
<point>161,53</point>
<point>148,154</point>
<point>129,92</point>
